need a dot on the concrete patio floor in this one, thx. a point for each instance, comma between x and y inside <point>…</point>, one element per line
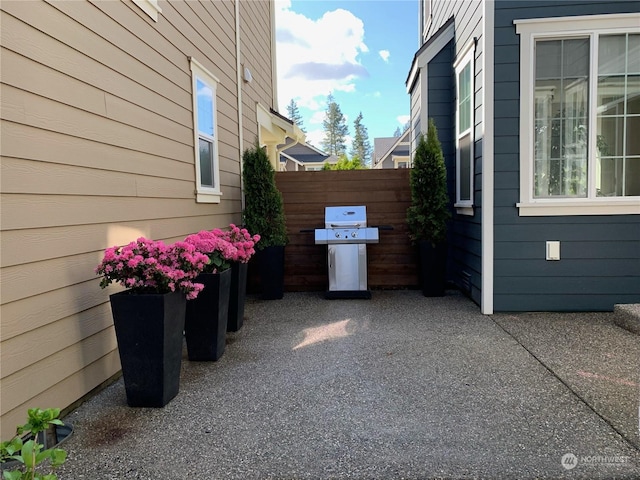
<point>399,386</point>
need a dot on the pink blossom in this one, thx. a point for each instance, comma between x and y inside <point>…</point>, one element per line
<point>214,245</point>
<point>243,241</point>
<point>152,266</point>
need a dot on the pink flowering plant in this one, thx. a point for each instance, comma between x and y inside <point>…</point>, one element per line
<point>151,266</point>
<point>214,244</point>
<point>243,241</point>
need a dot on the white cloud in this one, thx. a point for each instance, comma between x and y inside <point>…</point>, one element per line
<point>316,57</point>
<point>317,118</point>
<point>314,137</point>
<point>384,55</point>
<point>403,119</point>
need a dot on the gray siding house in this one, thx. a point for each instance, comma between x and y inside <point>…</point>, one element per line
<point>537,105</point>
<point>302,156</point>
<point>391,152</point>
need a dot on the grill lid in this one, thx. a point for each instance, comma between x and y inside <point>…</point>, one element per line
<point>345,217</point>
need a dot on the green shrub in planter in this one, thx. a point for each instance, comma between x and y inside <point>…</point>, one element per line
<point>264,215</point>
<point>429,213</point>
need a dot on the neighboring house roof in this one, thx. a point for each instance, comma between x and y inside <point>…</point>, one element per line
<point>306,155</point>
<point>276,129</point>
<point>381,146</point>
<point>388,147</point>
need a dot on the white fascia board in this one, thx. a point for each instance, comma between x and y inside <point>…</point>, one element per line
<point>487,210</point>
<point>424,57</point>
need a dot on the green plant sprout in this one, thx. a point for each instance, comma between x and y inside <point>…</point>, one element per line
<point>30,454</point>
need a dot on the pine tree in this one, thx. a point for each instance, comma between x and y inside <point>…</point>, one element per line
<point>293,112</point>
<point>335,129</point>
<point>397,133</point>
<point>361,147</point>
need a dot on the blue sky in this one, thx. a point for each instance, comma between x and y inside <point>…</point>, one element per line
<point>359,50</point>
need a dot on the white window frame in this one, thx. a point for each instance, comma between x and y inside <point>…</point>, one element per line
<point>465,207</point>
<point>531,30</point>
<point>150,7</point>
<point>205,194</point>
<point>401,161</point>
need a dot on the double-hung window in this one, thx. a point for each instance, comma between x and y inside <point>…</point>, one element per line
<point>207,170</point>
<point>464,68</point>
<point>580,115</point>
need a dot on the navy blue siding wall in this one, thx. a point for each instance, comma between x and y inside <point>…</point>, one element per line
<point>600,255</point>
<point>463,239</point>
<point>440,97</point>
<point>464,260</point>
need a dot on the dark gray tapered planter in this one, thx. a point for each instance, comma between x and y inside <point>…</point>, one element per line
<point>205,326</point>
<point>433,268</point>
<point>149,332</point>
<point>237,296</point>
<point>270,262</point>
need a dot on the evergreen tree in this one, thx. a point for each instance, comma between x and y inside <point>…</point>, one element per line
<point>294,114</point>
<point>361,147</point>
<point>429,211</point>
<point>397,133</point>
<point>264,208</point>
<point>335,129</point>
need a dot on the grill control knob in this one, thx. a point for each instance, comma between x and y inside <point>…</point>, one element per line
<point>354,234</point>
<point>337,234</point>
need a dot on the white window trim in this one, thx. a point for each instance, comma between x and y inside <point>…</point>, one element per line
<point>530,30</point>
<point>150,7</point>
<point>465,207</point>
<point>205,194</point>
<point>397,159</point>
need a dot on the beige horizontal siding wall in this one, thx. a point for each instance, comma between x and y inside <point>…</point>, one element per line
<point>96,150</point>
<point>256,55</point>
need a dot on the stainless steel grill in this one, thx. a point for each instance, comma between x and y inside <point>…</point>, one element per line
<point>346,235</point>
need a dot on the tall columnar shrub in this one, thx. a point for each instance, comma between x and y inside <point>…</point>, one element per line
<point>429,212</point>
<point>264,209</point>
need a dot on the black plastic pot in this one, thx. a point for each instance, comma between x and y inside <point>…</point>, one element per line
<point>149,329</point>
<point>205,325</point>
<point>237,296</point>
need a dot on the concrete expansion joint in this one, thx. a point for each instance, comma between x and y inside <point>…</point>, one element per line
<point>568,386</point>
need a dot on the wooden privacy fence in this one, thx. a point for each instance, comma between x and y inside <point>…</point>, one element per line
<point>385,193</point>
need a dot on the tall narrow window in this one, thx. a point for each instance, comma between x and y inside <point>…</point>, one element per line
<point>205,134</point>
<point>561,118</point>
<point>464,133</point>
